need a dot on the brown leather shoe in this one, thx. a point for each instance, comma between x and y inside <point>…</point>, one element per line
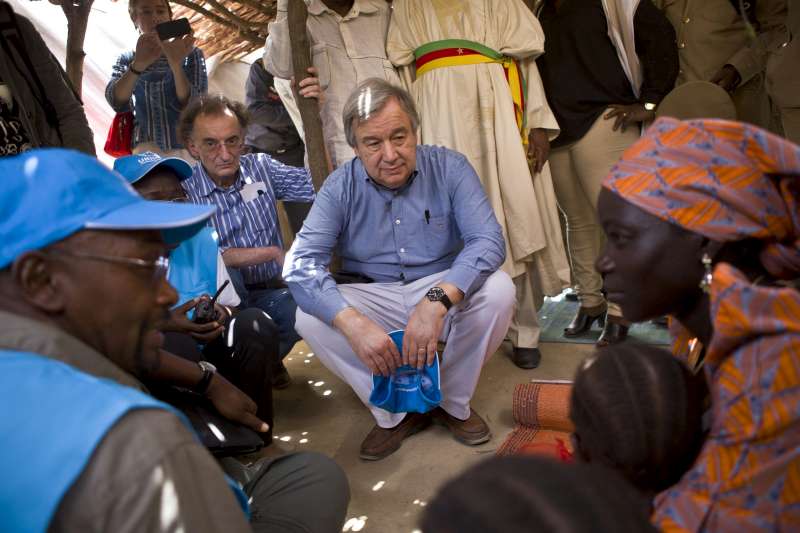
<point>381,442</point>
<point>472,431</point>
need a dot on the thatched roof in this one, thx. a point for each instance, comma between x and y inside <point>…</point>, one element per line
<point>228,29</point>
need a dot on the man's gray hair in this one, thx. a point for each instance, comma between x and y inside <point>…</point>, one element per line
<point>369,98</point>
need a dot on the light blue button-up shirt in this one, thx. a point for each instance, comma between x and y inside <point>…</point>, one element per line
<point>441,219</point>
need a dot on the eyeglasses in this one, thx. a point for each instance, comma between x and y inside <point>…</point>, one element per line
<point>160,265</point>
<point>212,146</point>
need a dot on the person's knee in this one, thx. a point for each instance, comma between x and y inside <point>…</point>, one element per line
<point>253,324</point>
<point>498,292</point>
<point>307,325</point>
<point>325,472</point>
<point>290,482</point>
<point>254,321</point>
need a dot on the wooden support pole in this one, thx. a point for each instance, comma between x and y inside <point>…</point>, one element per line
<point>77,14</point>
<point>309,107</point>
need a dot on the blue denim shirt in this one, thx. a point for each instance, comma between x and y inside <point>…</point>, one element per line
<point>440,219</point>
<point>155,102</point>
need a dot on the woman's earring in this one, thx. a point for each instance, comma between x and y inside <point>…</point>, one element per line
<point>708,276</point>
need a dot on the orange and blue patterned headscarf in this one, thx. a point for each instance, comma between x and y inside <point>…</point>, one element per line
<point>727,181</point>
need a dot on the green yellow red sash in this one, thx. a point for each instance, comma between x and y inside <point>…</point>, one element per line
<point>457,52</point>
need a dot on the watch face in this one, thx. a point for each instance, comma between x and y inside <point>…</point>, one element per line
<point>435,294</point>
<point>205,365</point>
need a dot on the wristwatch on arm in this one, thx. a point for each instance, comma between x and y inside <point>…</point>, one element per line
<point>208,372</point>
<point>437,294</point>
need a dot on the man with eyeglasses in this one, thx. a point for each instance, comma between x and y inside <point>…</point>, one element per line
<point>244,188</point>
<point>82,289</point>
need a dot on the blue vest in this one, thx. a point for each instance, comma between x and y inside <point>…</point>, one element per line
<point>52,417</point>
<point>193,266</point>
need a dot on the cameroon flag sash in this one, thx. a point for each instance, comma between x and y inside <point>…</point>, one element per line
<point>457,52</point>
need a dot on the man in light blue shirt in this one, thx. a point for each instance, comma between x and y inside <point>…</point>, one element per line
<point>416,221</point>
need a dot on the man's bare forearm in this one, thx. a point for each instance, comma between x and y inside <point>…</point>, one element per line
<point>174,370</point>
<point>347,319</point>
<point>245,257</point>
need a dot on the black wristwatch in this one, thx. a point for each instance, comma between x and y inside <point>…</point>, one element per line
<point>437,294</point>
<point>208,372</point>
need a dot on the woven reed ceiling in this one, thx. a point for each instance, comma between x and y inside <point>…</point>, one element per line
<point>228,29</point>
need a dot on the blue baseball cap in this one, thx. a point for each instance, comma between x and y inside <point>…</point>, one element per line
<point>135,167</point>
<point>48,194</point>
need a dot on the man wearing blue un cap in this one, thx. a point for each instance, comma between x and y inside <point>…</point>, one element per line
<point>238,346</point>
<point>83,260</point>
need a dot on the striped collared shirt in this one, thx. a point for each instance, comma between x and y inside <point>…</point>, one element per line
<point>249,219</point>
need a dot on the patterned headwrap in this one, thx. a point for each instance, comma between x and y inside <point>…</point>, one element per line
<point>727,181</point>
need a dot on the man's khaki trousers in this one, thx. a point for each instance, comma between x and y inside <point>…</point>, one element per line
<point>473,330</point>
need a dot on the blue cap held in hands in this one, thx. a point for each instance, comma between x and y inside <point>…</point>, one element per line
<point>407,390</point>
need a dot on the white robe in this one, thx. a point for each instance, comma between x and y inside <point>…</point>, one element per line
<point>469,109</point>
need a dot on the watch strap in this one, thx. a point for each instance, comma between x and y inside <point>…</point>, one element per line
<point>137,72</point>
<point>446,302</point>
<point>205,381</point>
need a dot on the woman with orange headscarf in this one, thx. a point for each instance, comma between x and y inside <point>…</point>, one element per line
<point>703,224</point>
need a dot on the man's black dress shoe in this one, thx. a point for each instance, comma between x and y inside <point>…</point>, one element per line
<point>526,357</point>
<point>583,321</point>
<point>613,332</point>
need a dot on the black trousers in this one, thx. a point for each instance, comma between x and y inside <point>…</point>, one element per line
<point>245,356</point>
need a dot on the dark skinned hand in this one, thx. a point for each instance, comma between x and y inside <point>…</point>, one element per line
<point>728,78</point>
<point>233,404</point>
<point>538,148</point>
<point>628,115</point>
<point>179,321</point>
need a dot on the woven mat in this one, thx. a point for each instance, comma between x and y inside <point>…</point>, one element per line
<point>541,411</point>
<point>557,313</point>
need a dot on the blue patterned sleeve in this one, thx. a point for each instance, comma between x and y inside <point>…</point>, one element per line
<point>292,184</point>
<point>117,71</point>
<point>194,66</point>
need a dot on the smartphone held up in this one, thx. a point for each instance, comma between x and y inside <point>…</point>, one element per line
<point>173,29</point>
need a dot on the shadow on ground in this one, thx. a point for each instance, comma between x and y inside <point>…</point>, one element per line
<point>319,412</point>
